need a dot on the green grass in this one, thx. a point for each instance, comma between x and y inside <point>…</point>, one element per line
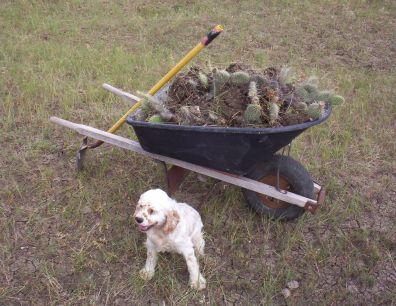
<point>68,238</point>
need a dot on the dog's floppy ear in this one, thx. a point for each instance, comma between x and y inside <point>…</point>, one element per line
<point>172,219</point>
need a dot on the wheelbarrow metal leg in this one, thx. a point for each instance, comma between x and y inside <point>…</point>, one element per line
<point>312,206</point>
<point>174,177</point>
<point>81,154</point>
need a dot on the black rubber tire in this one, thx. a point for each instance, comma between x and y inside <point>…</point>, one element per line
<point>297,176</point>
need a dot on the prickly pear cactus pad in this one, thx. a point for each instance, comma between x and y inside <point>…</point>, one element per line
<point>239,96</point>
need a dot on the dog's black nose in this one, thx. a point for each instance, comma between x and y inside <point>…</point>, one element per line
<point>139,220</point>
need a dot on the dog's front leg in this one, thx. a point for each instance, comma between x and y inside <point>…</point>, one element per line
<point>147,272</point>
<point>197,281</point>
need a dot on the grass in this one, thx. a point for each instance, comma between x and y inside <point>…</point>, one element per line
<point>68,238</point>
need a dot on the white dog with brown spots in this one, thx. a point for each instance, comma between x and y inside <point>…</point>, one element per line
<point>170,227</point>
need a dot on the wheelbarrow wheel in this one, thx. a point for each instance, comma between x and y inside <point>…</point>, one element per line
<point>293,177</point>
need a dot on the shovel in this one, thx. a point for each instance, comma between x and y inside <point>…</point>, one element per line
<point>189,56</point>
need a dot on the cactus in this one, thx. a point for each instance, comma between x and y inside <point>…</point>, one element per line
<point>253,113</point>
<point>221,76</point>
<point>155,119</point>
<point>203,79</point>
<point>144,111</point>
<point>337,100</point>
<point>239,78</point>
<point>212,116</point>
<point>312,92</point>
<point>145,106</point>
<point>312,80</point>
<point>314,111</point>
<point>190,114</point>
<point>256,100</point>
<point>301,106</point>
<point>307,93</point>
<point>324,96</point>
<point>158,106</point>
<point>252,93</point>
<point>187,116</point>
<point>273,111</point>
<point>260,81</point>
<point>252,90</point>
<point>285,76</point>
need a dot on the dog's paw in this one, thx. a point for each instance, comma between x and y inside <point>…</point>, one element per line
<point>200,284</point>
<point>146,274</point>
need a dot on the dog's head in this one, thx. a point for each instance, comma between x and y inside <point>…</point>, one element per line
<point>155,210</point>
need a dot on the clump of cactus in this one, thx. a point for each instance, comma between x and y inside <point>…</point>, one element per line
<point>325,96</point>
<point>237,96</point>
<point>156,106</point>
<point>308,93</point>
<point>239,78</point>
<point>328,97</point>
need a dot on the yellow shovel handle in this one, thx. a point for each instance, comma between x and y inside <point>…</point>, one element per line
<point>190,55</point>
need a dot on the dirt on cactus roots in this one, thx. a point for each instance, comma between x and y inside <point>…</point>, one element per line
<point>227,107</point>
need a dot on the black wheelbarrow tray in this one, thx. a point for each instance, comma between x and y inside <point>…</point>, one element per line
<point>273,184</point>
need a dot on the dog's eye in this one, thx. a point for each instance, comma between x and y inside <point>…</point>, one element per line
<point>150,211</point>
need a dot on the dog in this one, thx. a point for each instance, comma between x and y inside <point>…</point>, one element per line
<point>170,227</point>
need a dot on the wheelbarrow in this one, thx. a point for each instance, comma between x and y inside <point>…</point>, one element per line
<point>273,184</point>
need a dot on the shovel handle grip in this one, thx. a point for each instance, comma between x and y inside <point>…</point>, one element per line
<point>212,35</point>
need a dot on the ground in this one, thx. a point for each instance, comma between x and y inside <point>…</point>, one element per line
<point>68,238</point>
